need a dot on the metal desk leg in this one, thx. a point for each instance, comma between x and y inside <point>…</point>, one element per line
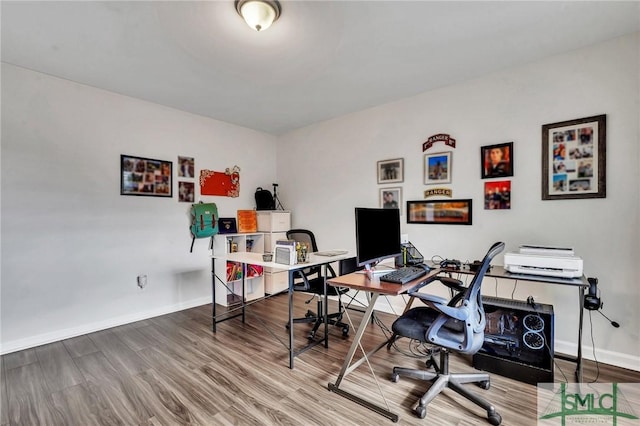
<point>213,292</point>
<point>326,307</point>
<point>242,299</point>
<point>291,351</point>
<point>348,368</point>
<point>579,356</point>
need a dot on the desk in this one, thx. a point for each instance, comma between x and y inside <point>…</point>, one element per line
<point>256,259</point>
<point>579,283</point>
<point>359,281</point>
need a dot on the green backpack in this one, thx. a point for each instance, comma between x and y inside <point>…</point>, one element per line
<point>204,221</point>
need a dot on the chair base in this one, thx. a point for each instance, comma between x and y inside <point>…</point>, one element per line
<point>441,379</point>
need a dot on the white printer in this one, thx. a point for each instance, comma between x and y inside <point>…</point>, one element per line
<point>558,262</point>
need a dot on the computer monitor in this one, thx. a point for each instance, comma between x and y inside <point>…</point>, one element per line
<point>377,235</point>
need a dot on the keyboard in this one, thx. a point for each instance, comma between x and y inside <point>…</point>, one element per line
<point>405,274</point>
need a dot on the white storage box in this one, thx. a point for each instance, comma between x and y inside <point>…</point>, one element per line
<point>273,221</point>
<point>275,282</point>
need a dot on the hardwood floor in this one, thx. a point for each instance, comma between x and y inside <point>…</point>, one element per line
<point>173,370</point>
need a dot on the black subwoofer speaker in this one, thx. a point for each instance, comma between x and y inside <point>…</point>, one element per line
<point>518,340</point>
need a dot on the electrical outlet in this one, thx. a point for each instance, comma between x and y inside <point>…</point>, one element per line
<point>142,281</point>
<point>404,238</point>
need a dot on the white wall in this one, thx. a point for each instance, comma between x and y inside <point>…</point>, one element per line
<point>72,246</point>
<point>327,169</point>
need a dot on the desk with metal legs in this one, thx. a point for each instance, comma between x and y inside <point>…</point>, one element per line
<point>360,281</point>
<point>256,259</point>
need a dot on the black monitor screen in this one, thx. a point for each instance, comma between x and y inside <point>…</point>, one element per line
<point>377,234</point>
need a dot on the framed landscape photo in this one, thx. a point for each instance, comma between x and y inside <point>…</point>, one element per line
<point>390,198</point>
<point>145,176</point>
<point>444,212</point>
<point>437,168</point>
<point>391,171</point>
<point>574,159</point>
<point>497,160</point>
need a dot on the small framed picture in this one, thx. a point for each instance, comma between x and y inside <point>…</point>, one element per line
<point>497,160</point>
<point>145,176</point>
<point>391,171</point>
<point>186,192</point>
<point>186,167</point>
<point>437,168</point>
<point>444,212</point>
<point>390,198</point>
<point>497,195</point>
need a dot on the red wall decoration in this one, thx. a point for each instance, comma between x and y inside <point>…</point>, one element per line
<point>226,184</point>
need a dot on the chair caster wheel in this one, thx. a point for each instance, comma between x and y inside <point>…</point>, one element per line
<point>421,411</point>
<point>395,377</point>
<point>345,332</point>
<point>309,314</point>
<point>312,335</point>
<point>494,418</point>
<point>485,384</point>
<point>429,363</point>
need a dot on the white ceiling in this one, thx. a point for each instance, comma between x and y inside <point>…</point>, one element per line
<point>321,59</point>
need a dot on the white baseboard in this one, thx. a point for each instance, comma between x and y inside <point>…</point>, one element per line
<point>55,336</point>
<point>601,355</point>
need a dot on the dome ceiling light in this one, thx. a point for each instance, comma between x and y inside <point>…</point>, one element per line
<point>258,14</point>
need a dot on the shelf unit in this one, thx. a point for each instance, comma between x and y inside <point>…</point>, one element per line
<point>228,279</point>
<point>274,224</point>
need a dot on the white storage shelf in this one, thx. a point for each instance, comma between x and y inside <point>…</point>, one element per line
<point>275,224</point>
<point>228,280</point>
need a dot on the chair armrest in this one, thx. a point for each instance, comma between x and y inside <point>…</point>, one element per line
<point>440,304</point>
<point>456,312</point>
<point>428,297</point>
<point>452,283</point>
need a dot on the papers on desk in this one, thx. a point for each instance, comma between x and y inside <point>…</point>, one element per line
<point>329,253</point>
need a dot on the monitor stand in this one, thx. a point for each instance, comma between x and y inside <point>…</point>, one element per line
<point>376,270</point>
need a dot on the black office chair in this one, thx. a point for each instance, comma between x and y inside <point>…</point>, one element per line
<point>311,281</point>
<point>451,326</point>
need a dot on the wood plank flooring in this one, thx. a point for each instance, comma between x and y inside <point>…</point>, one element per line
<point>172,370</point>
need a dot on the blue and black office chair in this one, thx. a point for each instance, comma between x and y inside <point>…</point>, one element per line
<point>456,326</point>
<point>312,281</point>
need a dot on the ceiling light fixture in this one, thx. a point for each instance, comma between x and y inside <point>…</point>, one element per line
<point>258,14</point>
